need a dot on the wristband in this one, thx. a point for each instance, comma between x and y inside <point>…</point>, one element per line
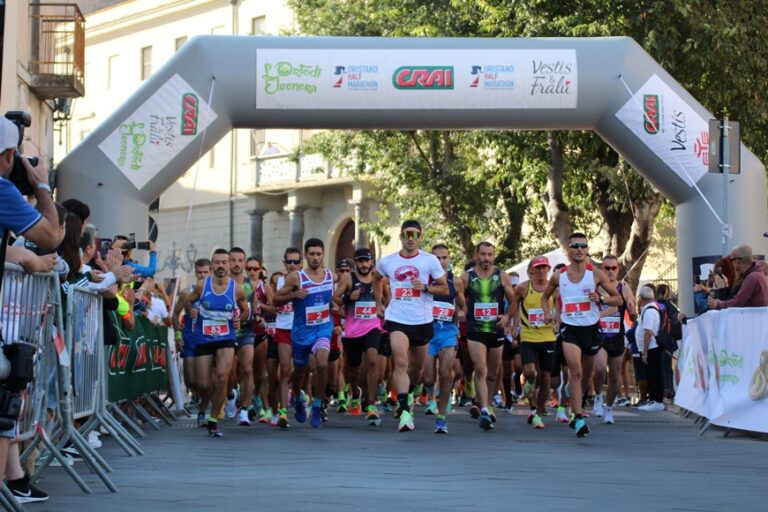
<point>44,186</point>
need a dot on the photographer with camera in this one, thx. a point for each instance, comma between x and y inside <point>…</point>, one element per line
<point>41,227</point>
<point>127,245</point>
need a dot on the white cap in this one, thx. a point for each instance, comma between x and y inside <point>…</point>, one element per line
<point>9,134</point>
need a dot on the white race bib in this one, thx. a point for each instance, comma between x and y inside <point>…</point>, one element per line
<point>317,315</point>
<point>536,317</point>
<point>365,310</point>
<point>405,291</point>
<point>214,328</point>
<point>443,311</point>
<point>576,307</point>
<point>486,311</point>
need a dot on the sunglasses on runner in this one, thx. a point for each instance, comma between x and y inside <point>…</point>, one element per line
<point>410,235</point>
<point>579,245</point>
<point>293,262</point>
<point>252,269</point>
<point>606,267</point>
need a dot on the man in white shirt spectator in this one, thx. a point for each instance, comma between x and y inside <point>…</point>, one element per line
<point>650,352</point>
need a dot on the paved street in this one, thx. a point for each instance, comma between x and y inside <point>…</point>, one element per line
<point>646,461</point>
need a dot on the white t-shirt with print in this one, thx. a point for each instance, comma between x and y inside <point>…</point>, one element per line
<point>407,305</point>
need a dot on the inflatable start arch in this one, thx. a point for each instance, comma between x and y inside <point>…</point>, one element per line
<point>609,85</point>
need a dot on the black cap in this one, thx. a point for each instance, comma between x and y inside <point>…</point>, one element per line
<point>411,223</point>
<point>363,254</point>
<point>342,264</point>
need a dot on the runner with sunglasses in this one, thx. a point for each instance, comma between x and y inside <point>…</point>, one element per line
<point>261,304</point>
<point>611,354</point>
<point>580,318</point>
<point>408,317</point>
<point>283,327</point>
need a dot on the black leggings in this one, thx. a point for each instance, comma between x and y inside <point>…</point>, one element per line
<point>653,371</point>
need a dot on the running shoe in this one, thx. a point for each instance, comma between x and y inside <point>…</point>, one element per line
<point>317,419</point>
<point>213,429</point>
<point>25,492</point>
<point>622,402</point>
<point>354,407</point>
<point>372,415</point>
<point>342,407</point>
<point>431,409</point>
<point>537,422</point>
<point>252,413</point>
<point>465,401</point>
<point>282,420</point>
<point>608,416</point>
<point>406,421</point>
<point>243,419</point>
<point>572,423</point>
<point>652,406</point>
<point>275,420</point>
<point>474,411</point>
<point>597,409</point>
<point>485,421</point>
<point>561,417</point>
<point>530,416</point>
<point>300,408</point>
<point>440,426</point>
<point>381,394</point>
<point>581,428</point>
<point>230,409</point>
<point>265,415</point>
<point>528,389</point>
<point>498,401</point>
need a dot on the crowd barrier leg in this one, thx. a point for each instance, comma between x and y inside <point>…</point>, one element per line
<point>7,500</point>
<point>144,414</point>
<point>95,421</point>
<point>110,422</point>
<point>704,428</point>
<point>159,410</point>
<point>55,453</point>
<point>127,420</point>
<point>166,410</point>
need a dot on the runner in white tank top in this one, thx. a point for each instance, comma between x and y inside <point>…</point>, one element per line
<point>580,317</point>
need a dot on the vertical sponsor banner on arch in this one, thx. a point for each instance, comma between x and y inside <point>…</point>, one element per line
<point>157,131</point>
<point>416,79</point>
<point>670,128</point>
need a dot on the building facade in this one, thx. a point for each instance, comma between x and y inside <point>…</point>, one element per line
<point>254,189</point>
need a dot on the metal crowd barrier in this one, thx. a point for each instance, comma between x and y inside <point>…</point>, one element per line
<point>71,380</point>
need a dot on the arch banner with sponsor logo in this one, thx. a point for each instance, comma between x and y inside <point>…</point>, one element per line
<point>138,363</point>
<point>722,371</point>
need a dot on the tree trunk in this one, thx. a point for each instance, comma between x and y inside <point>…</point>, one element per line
<point>618,224</point>
<point>636,251</point>
<point>558,214</point>
<point>509,250</point>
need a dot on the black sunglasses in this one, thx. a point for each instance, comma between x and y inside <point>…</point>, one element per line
<point>579,245</point>
<point>293,262</point>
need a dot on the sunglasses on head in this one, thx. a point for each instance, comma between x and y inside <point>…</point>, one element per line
<point>410,235</point>
<point>579,245</point>
<point>293,262</point>
<point>608,267</point>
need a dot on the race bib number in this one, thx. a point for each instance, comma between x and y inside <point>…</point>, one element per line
<point>285,309</point>
<point>576,307</point>
<point>536,318</point>
<point>610,325</point>
<point>271,329</point>
<point>486,311</point>
<point>317,315</point>
<point>443,311</point>
<point>214,328</point>
<point>365,310</point>
<point>406,292</point>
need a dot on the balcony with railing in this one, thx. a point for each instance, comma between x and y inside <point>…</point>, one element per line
<point>291,170</point>
<point>58,50</point>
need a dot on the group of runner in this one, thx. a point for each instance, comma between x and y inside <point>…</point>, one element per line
<point>407,326</point>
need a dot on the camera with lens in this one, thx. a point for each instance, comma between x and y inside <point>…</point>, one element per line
<point>17,369</point>
<point>18,174</point>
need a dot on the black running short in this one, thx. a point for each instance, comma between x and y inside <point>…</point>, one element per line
<point>209,349</point>
<point>418,335</point>
<point>354,347</point>
<point>271,348</point>
<point>587,338</point>
<point>385,349</point>
<point>542,353</point>
<point>489,339</point>
<point>614,345</point>
<point>509,352</point>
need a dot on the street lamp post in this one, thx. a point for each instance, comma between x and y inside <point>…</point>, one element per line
<point>174,261</point>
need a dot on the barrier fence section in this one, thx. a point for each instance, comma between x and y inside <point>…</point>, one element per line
<point>722,368</point>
